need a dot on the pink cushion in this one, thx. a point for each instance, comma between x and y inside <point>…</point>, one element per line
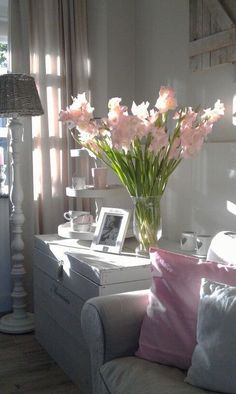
<point>168,333</point>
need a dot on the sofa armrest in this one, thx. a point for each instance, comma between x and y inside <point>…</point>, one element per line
<point>111,327</point>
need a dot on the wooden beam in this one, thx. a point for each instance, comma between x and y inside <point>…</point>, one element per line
<point>219,14</point>
<point>213,42</point>
<point>223,56</point>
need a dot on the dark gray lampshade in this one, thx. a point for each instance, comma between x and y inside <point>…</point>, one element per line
<point>19,96</point>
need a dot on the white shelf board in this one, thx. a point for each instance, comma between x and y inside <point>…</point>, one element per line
<point>90,192</point>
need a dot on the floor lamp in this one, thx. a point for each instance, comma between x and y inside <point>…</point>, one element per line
<point>18,98</point>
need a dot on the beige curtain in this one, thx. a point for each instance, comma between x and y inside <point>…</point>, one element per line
<point>48,39</point>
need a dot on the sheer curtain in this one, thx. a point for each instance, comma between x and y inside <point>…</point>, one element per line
<point>48,39</point>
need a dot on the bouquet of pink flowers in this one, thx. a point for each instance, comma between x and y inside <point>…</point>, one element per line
<point>139,147</point>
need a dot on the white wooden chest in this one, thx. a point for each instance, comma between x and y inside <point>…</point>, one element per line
<point>65,276</point>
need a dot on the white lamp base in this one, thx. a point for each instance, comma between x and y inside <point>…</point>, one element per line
<point>10,325</point>
<point>19,321</point>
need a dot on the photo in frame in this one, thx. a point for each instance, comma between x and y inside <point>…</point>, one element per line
<point>111,230</point>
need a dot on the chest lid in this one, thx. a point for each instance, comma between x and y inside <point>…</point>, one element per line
<point>101,268</point>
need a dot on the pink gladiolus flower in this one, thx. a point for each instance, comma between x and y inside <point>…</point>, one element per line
<point>219,107</point>
<point>166,100</point>
<point>205,128</point>
<point>123,133</point>
<point>191,141</point>
<point>81,107</point>
<point>115,110</point>
<point>86,127</point>
<point>79,113</point>
<point>189,117</point>
<point>186,136</point>
<point>159,141</point>
<point>64,116</point>
<point>114,102</point>
<point>153,116</point>
<point>175,149</point>
<point>191,150</point>
<point>140,110</point>
<point>213,115</point>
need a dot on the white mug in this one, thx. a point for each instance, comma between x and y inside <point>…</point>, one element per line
<point>202,244</point>
<point>99,176</point>
<point>188,241</point>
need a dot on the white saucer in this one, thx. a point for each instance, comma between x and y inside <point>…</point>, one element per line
<point>64,230</point>
<point>201,256</point>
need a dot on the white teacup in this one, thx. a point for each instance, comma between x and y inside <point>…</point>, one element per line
<point>77,225</point>
<point>74,214</point>
<point>79,220</point>
<point>188,241</point>
<point>202,244</point>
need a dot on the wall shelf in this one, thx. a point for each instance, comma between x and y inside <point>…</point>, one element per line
<point>99,195</point>
<point>90,192</point>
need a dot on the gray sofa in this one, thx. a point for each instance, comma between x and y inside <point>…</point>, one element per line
<point>111,327</point>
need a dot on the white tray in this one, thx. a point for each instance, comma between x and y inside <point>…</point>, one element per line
<point>64,230</point>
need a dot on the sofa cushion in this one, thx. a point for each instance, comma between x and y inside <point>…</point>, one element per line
<point>132,375</point>
<point>213,361</point>
<point>168,333</point>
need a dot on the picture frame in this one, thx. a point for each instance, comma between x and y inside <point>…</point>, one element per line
<point>111,230</point>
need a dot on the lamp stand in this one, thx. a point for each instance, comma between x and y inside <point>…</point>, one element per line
<point>19,321</point>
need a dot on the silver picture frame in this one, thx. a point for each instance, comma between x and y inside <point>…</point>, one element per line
<point>111,230</point>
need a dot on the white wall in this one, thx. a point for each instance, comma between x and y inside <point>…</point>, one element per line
<point>111,37</point>
<point>199,192</point>
<point>161,48</point>
<point>111,51</point>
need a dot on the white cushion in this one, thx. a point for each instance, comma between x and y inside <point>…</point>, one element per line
<point>213,361</point>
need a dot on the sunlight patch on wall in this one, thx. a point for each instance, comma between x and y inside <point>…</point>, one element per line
<point>36,126</point>
<point>48,64</point>
<point>51,115</point>
<point>231,207</point>
<point>34,63</point>
<point>58,66</point>
<point>89,67</point>
<point>234,111</point>
<point>53,65</point>
<point>54,169</point>
<point>232,173</point>
<point>60,128</point>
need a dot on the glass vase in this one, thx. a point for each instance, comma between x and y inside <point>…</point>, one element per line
<point>147,227</point>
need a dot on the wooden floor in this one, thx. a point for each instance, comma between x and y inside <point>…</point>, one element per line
<point>26,368</point>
